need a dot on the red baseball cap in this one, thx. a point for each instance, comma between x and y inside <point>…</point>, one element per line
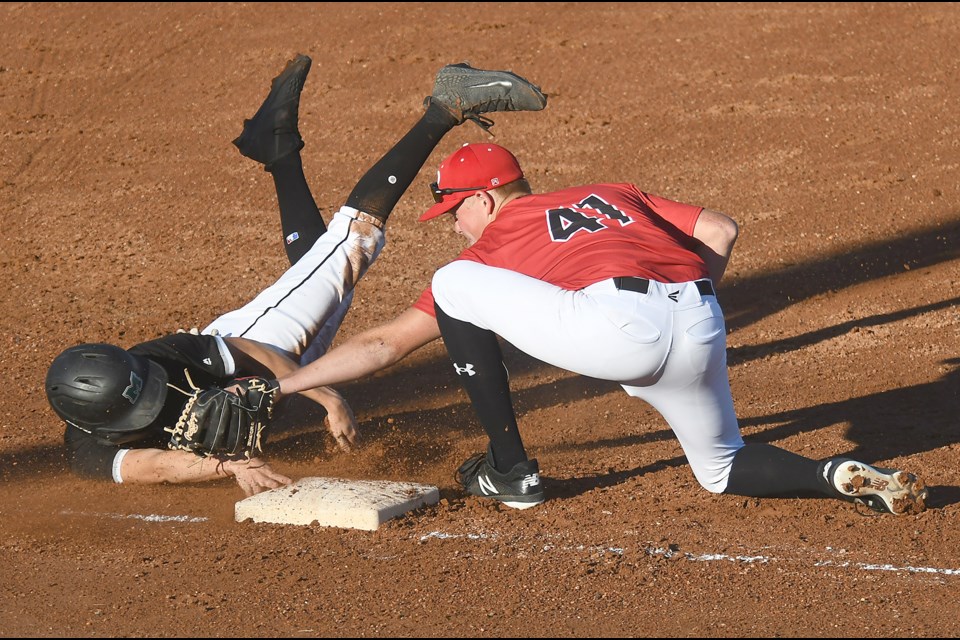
<point>471,168</point>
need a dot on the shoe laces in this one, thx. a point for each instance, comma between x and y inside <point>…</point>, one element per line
<point>476,118</point>
<point>467,471</point>
<point>497,104</point>
<point>503,103</point>
<point>480,121</point>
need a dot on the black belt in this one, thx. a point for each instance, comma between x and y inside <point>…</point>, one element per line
<point>642,285</point>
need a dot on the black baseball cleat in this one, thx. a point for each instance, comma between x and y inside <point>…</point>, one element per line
<point>272,133</point>
<point>519,488</point>
<point>467,93</point>
<point>882,490</point>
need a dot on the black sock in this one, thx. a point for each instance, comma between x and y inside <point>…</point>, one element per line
<point>478,361</point>
<point>299,216</point>
<point>380,188</point>
<point>766,471</point>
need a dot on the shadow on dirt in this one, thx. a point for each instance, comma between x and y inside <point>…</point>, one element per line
<point>748,300</point>
<point>425,435</point>
<point>890,424</point>
<point>739,355</point>
<point>33,463</point>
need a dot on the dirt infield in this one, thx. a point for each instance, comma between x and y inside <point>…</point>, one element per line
<point>829,132</point>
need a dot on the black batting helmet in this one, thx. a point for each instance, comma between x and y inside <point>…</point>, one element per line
<point>106,391</point>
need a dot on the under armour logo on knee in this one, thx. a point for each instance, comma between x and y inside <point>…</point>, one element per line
<point>468,369</point>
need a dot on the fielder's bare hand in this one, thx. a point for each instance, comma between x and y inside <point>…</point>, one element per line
<point>342,424</point>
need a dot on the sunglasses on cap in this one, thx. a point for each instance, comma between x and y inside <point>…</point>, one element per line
<point>438,193</point>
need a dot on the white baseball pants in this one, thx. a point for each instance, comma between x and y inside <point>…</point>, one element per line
<point>667,346</point>
<point>301,312</point>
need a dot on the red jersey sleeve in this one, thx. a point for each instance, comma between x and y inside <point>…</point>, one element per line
<point>683,216</point>
<point>425,302</point>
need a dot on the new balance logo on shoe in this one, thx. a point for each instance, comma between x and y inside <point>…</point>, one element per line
<point>518,488</point>
<point>486,485</point>
<point>467,369</point>
<point>883,490</point>
<point>530,481</point>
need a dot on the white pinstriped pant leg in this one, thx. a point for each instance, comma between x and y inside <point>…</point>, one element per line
<point>313,295</point>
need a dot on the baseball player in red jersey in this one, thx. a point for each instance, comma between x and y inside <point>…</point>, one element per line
<point>609,282</point>
<point>119,405</point>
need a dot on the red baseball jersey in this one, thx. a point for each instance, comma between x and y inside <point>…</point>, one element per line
<point>582,235</point>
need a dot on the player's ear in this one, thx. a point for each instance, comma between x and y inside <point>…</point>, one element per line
<point>489,203</point>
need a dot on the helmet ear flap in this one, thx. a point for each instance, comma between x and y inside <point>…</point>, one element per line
<point>107,391</point>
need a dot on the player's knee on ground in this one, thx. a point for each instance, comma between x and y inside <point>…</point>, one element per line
<point>713,478</point>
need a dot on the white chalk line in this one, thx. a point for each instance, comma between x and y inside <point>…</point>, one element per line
<point>888,567</point>
<point>134,516</point>
<point>619,551</point>
<point>711,557</point>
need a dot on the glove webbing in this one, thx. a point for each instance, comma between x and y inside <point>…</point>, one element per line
<point>187,425</point>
